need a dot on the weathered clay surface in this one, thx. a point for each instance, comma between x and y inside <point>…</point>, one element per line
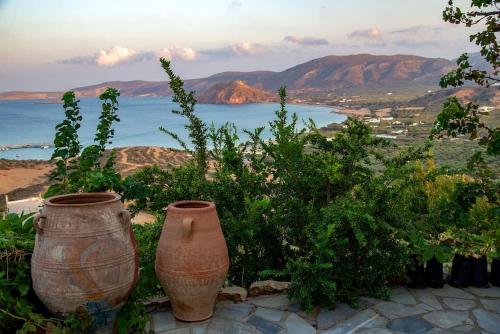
<point>192,259</point>
<point>85,255</point>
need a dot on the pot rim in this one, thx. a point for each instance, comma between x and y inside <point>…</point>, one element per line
<point>207,206</point>
<point>109,197</point>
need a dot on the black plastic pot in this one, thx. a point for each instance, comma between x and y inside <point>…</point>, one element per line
<point>495,272</point>
<point>416,275</point>
<point>434,273</point>
<point>461,271</point>
<point>480,273</point>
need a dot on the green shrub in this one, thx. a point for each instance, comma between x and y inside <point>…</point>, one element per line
<point>277,199</point>
<point>82,170</point>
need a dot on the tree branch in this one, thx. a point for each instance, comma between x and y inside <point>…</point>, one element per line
<point>484,13</point>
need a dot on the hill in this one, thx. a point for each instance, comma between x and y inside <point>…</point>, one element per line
<point>478,95</point>
<point>324,74</point>
<point>361,70</point>
<point>25,95</point>
<point>235,92</point>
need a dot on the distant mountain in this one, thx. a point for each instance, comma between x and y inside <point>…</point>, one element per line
<point>23,95</point>
<point>479,95</point>
<point>333,72</point>
<point>478,62</point>
<point>323,74</point>
<point>127,88</point>
<point>235,92</point>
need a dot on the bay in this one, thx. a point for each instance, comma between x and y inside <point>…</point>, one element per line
<point>33,121</point>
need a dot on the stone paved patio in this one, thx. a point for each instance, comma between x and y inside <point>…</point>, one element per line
<point>431,311</point>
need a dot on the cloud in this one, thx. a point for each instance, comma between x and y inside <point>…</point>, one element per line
<point>417,29</point>
<point>371,34</point>
<point>234,3</point>
<point>236,50</point>
<point>118,55</point>
<point>248,49</point>
<point>306,40</point>
<point>83,60</point>
<point>376,44</point>
<point>415,42</point>
<point>111,57</point>
<point>114,56</point>
<point>183,53</point>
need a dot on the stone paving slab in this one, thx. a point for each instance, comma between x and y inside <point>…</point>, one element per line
<point>269,314</point>
<point>327,318</point>
<point>410,325</point>
<point>410,311</point>
<point>488,320</point>
<point>402,296</point>
<point>425,297</point>
<point>296,325</point>
<point>459,304</point>
<point>447,319</point>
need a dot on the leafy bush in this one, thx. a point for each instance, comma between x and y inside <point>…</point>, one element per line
<point>295,205</point>
<point>82,170</point>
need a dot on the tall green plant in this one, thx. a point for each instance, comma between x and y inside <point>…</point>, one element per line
<point>197,129</point>
<point>95,175</point>
<point>66,143</point>
<point>85,172</point>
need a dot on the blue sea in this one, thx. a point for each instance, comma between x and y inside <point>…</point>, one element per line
<point>33,121</point>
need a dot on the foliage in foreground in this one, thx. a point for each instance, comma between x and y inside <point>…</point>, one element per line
<point>300,205</point>
<point>82,170</point>
<point>294,205</point>
<point>455,118</point>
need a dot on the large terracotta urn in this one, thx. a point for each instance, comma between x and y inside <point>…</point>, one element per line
<point>85,257</point>
<point>192,259</point>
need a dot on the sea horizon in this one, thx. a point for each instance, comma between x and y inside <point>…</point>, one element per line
<point>33,122</point>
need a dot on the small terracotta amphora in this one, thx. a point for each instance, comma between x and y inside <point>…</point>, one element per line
<point>191,259</point>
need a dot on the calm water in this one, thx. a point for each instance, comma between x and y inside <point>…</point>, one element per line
<point>30,122</point>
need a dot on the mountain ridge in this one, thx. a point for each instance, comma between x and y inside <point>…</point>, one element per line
<point>322,74</point>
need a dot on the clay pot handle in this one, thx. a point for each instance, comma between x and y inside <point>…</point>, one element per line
<point>187,227</point>
<point>38,221</point>
<point>125,218</point>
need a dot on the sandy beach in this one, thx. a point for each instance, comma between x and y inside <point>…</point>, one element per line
<point>21,179</point>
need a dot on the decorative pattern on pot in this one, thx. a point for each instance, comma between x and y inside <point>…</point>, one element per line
<point>85,256</point>
<point>192,259</point>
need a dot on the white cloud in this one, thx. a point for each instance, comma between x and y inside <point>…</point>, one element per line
<point>236,50</point>
<point>247,48</point>
<point>371,34</point>
<point>306,40</point>
<point>418,29</point>
<point>114,56</point>
<point>235,4</point>
<point>184,53</point>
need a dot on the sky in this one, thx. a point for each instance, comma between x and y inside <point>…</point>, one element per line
<point>54,45</point>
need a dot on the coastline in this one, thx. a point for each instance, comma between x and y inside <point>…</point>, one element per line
<point>26,178</point>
